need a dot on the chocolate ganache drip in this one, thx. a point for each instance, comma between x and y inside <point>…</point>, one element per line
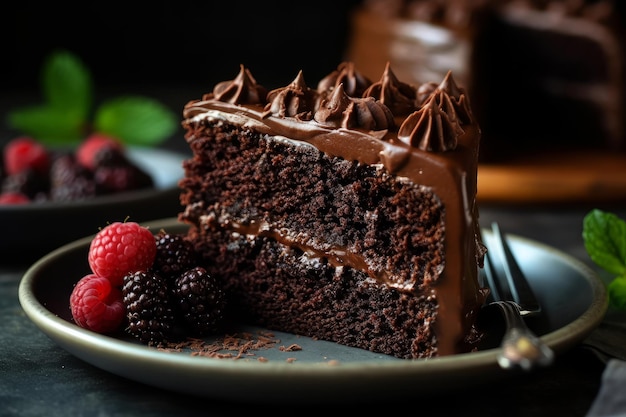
<point>400,97</point>
<point>243,89</point>
<point>340,110</point>
<point>354,83</point>
<point>296,100</point>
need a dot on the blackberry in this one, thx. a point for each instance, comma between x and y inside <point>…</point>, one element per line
<point>69,180</point>
<point>200,301</point>
<point>109,156</point>
<point>175,255</point>
<point>148,308</point>
<point>27,182</point>
<point>111,180</point>
<point>114,172</point>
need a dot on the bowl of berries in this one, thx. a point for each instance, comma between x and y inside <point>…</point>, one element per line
<point>50,197</point>
<point>70,166</point>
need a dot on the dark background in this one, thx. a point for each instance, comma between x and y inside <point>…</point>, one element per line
<point>169,50</point>
<point>172,50</point>
<point>182,43</point>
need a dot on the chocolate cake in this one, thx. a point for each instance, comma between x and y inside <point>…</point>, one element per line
<point>345,212</point>
<point>544,75</point>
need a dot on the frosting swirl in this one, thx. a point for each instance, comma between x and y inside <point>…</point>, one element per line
<point>340,110</point>
<point>399,96</point>
<point>354,83</point>
<point>458,98</point>
<point>296,100</point>
<point>434,127</point>
<point>243,89</point>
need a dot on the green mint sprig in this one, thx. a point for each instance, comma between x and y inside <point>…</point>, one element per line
<point>67,115</point>
<point>604,236</point>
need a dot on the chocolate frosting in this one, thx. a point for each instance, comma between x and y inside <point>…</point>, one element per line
<point>339,110</point>
<point>399,96</point>
<point>431,128</point>
<point>437,125</point>
<point>296,100</point>
<point>354,83</point>
<point>458,98</point>
<point>243,89</point>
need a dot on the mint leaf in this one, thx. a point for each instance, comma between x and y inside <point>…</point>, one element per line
<point>135,120</point>
<point>66,84</point>
<point>604,236</point>
<point>64,116</point>
<point>48,124</point>
<point>617,292</point>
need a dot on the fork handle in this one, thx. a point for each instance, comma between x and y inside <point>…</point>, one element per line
<point>520,347</point>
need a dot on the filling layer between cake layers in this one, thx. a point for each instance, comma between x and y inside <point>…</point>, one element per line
<point>345,213</point>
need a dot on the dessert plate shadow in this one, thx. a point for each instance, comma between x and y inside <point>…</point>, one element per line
<point>573,296</point>
<point>32,230</point>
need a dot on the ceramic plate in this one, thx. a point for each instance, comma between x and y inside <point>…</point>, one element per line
<point>32,230</point>
<point>572,294</point>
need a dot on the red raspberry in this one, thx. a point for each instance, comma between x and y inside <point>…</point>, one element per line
<point>89,148</point>
<point>24,153</point>
<point>121,248</point>
<point>97,305</point>
<point>11,197</point>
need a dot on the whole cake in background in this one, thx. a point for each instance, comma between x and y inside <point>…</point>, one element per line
<point>544,75</point>
<point>345,212</point>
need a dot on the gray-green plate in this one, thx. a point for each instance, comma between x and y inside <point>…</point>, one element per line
<point>573,296</point>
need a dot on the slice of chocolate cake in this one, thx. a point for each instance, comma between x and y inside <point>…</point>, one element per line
<point>345,212</point>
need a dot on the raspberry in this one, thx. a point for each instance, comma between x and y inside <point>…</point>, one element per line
<point>24,153</point>
<point>148,309</point>
<point>121,248</point>
<point>96,305</point>
<point>175,255</point>
<point>200,301</point>
<point>92,145</point>
<point>11,197</point>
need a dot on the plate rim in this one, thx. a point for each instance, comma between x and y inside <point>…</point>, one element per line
<point>71,337</point>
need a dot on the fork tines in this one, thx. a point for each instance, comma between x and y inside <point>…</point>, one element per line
<point>515,287</point>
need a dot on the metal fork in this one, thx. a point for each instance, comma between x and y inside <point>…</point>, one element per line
<point>510,291</point>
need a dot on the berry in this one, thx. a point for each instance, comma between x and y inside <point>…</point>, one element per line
<point>11,197</point>
<point>175,255</point>
<point>88,150</point>
<point>24,153</point>
<point>148,309</point>
<point>114,172</point>
<point>70,181</point>
<point>96,305</point>
<point>199,300</point>
<point>115,179</point>
<point>121,248</point>
<point>27,182</point>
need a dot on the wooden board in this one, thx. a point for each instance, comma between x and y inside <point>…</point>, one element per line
<point>589,177</point>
